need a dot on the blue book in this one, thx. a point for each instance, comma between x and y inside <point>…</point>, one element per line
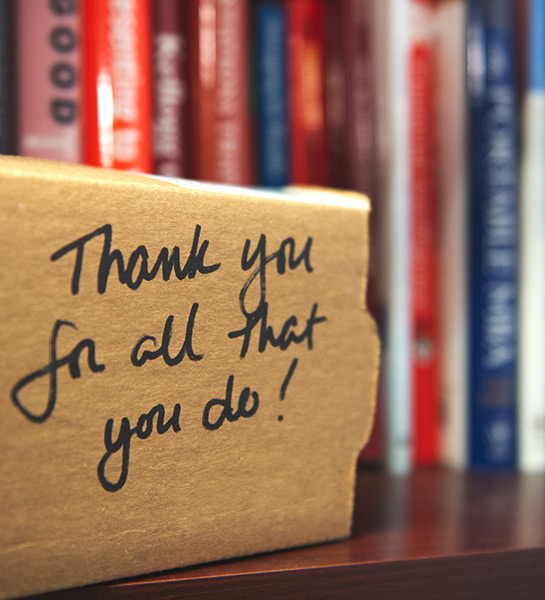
<point>271,93</point>
<point>493,234</point>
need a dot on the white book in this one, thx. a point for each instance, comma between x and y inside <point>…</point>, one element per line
<point>391,43</point>
<point>531,364</point>
<point>452,153</point>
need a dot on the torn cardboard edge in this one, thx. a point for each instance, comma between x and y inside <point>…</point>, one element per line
<point>235,392</point>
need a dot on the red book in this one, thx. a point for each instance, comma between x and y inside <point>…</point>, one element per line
<point>424,242</point>
<point>307,91</point>
<point>170,88</point>
<point>219,92</point>
<point>116,42</point>
<point>47,75</point>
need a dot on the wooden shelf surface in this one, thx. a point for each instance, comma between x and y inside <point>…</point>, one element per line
<point>435,534</point>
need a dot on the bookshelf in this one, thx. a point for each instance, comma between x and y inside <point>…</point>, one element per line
<point>433,534</point>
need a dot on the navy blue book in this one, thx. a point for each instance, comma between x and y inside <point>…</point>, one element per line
<point>493,234</point>
<point>271,93</point>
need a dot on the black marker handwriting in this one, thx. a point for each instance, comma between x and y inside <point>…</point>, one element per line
<point>72,360</point>
<point>285,258</point>
<point>284,339</point>
<point>226,408</point>
<point>143,429</point>
<point>138,359</point>
<point>137,268</point>
<point>291,261</point>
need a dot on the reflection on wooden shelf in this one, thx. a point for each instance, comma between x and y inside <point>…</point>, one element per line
<point>433,534</point>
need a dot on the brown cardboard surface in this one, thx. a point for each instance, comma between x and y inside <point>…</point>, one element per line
<point>115,458</point>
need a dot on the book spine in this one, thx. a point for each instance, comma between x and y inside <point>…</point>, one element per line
<point>452,190</point>
<point>117,84</point>
<point>400,434</point>
<point>493,217</point>
<point>202,89</point>
<point>336,94</point>
<point>7,78</point>
<point>359,100</point>
<point>271,93</point>
<point>48,88</point>
<point>219,92</point>
<point>391,47</point>
<point>97,97</point>
<point>531,372</point>
<point>358,135</point>
<point>170,88</point>
<point>130,38</point>
<point>306,91</point>
<point>423,239</point>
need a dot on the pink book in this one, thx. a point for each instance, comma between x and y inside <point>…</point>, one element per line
<point>48,80</point>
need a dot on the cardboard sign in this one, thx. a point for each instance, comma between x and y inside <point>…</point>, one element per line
<point>188,372</point>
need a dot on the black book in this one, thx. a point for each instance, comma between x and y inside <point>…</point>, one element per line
<point>7,77</point>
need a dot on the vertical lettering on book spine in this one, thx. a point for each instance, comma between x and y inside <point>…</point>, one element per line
<point>219,92</point>
<point>232,111</point>
<point>269,42</point>
<point>494,232</point>
<point>170,88</point>
<point>116,40</point>
<point>48,80</point>
<point>130,40</point>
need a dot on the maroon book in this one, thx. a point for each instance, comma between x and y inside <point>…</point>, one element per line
<point>219,92</point>
<point>170,91</point>
<point>359,96</point>
<point>335,94</point>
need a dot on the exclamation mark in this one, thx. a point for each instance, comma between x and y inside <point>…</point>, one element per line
<point>285,383</point>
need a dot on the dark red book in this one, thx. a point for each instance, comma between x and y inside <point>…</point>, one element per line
<point>359,96</point>
<point>351,117</point>
<point>307,91</point>
<point>336,94</point>
<point>424,242</point>
<point>116,41</point>
<point>219,92</point>
<point>170,93</point>
<point>351,93</point>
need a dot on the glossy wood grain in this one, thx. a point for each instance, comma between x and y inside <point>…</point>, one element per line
<point>435,534</point>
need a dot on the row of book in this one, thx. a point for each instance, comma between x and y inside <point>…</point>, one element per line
<point>474,331</point>
<point>195,89</point>
<point>461,235</point>
<point>416,103</point>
